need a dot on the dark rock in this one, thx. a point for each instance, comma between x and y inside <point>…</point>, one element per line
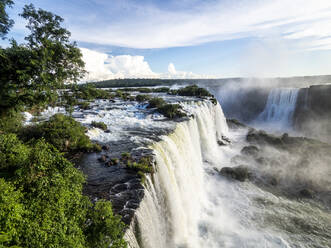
<point>306,193</point>
<point>239,173</point>
<point>105,147</point>
<point>234,124</point>
<point>107,131</point>
<point>103,158</point>
<point>223,141</point>
<point>251,151</point>
<point>262,138</point>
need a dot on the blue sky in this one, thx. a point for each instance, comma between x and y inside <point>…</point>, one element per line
<point>195,38</point>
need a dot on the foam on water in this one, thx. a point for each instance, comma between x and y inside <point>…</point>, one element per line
<point>187,204</point>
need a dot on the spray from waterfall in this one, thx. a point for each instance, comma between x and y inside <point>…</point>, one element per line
<point>186,205</point>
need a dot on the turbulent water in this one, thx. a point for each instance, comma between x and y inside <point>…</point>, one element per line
<point>279,108</point>
<point>188,205</point>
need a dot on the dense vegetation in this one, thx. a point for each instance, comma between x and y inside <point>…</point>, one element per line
<point>41,200</point>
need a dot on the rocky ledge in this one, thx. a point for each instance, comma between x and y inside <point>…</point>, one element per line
<point>289,166</point>
<point>117,173</point>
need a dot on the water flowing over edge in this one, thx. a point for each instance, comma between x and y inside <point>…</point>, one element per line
<point>172,205</point>
<point>279,109</point>
<point>186,205</point>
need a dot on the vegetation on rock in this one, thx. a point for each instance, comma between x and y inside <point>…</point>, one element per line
<point>171,111</point>
<point>99,124</point>
<point>156,102</point>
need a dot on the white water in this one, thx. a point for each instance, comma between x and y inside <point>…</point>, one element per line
<point>279,108</point>
<point>187,205</point>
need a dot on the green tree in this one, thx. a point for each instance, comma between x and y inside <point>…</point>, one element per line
<point>5,22</point>
<point>105,229</point>
<point>41,201</point>
<point>31,73</point>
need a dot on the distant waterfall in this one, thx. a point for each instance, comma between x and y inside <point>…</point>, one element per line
<point>280,108</point>
<point>169,214</point>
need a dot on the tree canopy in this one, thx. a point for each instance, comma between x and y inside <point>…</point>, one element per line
<point>31,72</point>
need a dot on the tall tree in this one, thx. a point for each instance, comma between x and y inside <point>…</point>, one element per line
<point>5,22</point>
<point>31,73</point>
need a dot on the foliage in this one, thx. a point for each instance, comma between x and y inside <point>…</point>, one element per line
<point>84,105</point>
<point>63,132</point>
<point>105,228</point>
<point>11,212</point>
<point>142,98</point>
<point>41,203</point>
<point>5,22</point>
<point>156,102</point>
<point>89,92</point>
<point>30,73</point>
<point>171,111</point>
<point>100,125</point>
<point>11,121</point>
<point>13,154</point>
<point>143,165</point>
<point>193,90</point>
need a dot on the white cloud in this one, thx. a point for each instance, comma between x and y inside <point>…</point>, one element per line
<point>173,73</point>
<point>101,66</point>
<point>153,27</point>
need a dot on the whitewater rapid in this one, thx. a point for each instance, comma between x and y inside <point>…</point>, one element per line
<point>187,204</point>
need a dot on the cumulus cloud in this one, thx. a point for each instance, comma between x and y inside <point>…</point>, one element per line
<point>173,73</point>
<point>101,66</point>
<point>152,26</point>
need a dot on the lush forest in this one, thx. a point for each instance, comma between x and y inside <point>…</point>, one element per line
<point>41,200</point>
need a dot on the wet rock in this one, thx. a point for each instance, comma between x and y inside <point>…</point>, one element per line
<point>239,173</point>
<point>103,158</point>
<point>234,124</point>
<point>251,151</point>
<point>107,131</point>
<point>223,141</point>
<point>262,138</point>
<point>306,193</point>
<point>105,147</point>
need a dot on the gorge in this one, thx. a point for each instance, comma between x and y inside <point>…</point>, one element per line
<point>282,199</point>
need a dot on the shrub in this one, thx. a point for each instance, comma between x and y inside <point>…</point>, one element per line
<point>156,102</point>
<point>161,90</point>
<point>100,125</point>
<point>63,132</point>
<point>144,165</point>
<point>88,92</point>
<point>84,105</point>
<point>142,98</point>
<point>105,228</point>
<point>193,90</point>
<point>11,121</point>
<point>13,153</point>
<point>171,111</point>
<point>41,204</point>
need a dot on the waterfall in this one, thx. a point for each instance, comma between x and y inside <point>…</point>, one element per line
<point>187,205</point>
<point>279,108</point>
<point>169,214</point>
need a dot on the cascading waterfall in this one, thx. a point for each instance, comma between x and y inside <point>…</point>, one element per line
<point>172,206</point>
<point>186,205</point>
<point>280,108</point>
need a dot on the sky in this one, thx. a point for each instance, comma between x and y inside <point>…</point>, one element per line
<point>194,38</point>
